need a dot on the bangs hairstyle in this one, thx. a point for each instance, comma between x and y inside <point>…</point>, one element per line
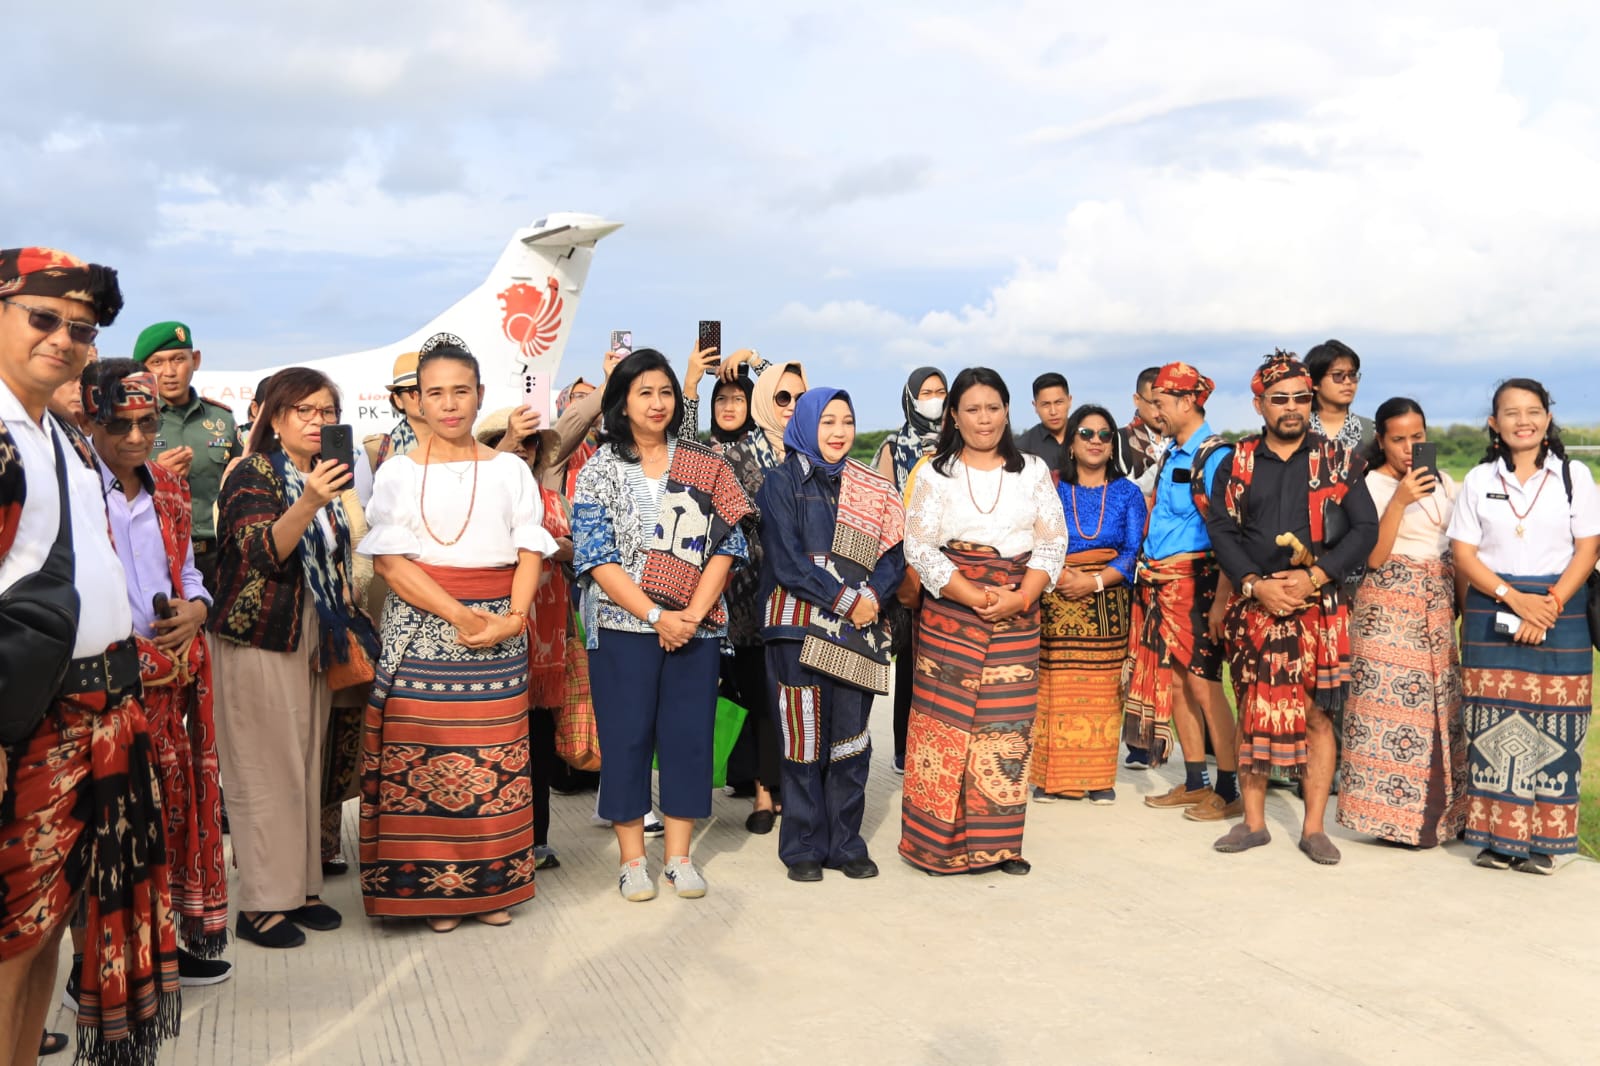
<point>1069,463</point>
<point>1551,445</point>
<point>1320,359</point>
<point>1388,410</point>
<point>454,354</point>
<point>950,443</point>
<point>614,427</point>
<point>288,388</point>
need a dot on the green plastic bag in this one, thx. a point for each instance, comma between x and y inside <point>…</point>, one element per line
<point>730,720</point>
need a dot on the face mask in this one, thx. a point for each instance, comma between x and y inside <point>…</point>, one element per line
<point>932,408</point>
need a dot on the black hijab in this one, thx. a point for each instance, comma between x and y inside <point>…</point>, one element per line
<point>923,427</point>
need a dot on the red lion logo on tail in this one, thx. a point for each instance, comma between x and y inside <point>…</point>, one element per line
<point>532,318</point>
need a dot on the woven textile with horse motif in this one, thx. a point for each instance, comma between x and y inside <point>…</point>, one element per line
<point>1278,663</point>
<point>972,711</point>
<point>446,797</point>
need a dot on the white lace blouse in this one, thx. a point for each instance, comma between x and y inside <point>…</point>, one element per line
<point>1012,513</point>
<point>506,515</point>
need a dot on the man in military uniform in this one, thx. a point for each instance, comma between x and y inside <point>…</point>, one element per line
<point>197,438</point>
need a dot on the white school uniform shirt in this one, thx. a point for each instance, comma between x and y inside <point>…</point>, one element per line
<point>1484,517</point>
<point>103,620</point>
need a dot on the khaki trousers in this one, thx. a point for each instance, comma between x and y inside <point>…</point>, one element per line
<point>272,716</point>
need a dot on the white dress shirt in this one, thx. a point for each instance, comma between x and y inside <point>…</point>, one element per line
<point>104,620</point>
<point>1491,498</point>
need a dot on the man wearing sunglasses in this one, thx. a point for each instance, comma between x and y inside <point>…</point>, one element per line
<point>197,439</point>
<point>1176,681</point>
<point>82,780</point>
<point>406,399</point>
<point>1290,517</point>
<point>1052,402</point>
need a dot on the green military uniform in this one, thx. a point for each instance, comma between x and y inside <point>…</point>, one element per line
<point>203,425</point>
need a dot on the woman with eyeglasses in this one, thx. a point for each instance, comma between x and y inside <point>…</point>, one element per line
<point>287,617</point>
<point>1084,619</point>
<point>987,535</point>
<point>446,791</point>
<point>756,755</point>
<point>1403,772</point>
<point>1526,534</point>
<point>1335,371</point>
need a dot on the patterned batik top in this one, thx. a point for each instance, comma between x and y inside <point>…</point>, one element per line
<point>1121,529</point>
<point>610,526</point>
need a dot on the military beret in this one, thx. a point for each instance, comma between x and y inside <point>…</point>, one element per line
<point>162,337</point>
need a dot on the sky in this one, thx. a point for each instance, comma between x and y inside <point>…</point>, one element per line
<point>1084,188</point>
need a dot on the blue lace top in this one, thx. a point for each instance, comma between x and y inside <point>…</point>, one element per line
<point>1122,529</point>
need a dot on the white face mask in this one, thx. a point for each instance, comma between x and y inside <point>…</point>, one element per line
<point>932,408</point>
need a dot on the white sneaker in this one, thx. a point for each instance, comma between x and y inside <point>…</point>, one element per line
<point>599,822</point>
<point>683,876</point>
<point>634,881</point>
<point>653,826</point>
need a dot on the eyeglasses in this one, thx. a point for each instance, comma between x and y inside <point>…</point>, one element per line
<point>1344,377</point>
<point>783,398</point>
<point>407,390</point>
<point>307,412</point>
<point>121,427</point>
<point>1104,435</point>
<point>47,322</point>
<point>1283,399</point>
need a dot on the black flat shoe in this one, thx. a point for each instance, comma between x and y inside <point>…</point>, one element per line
<point>1016,867</point>
<point>805,871</point>
<point>335,867</point>
<point>318,916</point>
<point>283,935</point>
<point>761,822</point>
<point>51,1043</point>
<point>859,869</point>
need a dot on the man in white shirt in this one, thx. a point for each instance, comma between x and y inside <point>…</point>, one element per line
<point>81,783</point>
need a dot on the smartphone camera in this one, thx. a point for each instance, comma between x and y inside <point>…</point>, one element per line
<point>622,342</point>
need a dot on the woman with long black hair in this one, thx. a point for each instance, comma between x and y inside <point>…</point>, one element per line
<point>986,534</point>
<point>1085,618</point>
<point>1526,533</point>
<point>1403,773</point>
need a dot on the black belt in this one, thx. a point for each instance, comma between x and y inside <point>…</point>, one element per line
<point>113,670</point>
<point>206,546</point>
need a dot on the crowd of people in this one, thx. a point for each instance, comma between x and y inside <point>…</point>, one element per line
<point>1048,609</point>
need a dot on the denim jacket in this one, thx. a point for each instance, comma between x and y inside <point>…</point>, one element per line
<point>799,503</point>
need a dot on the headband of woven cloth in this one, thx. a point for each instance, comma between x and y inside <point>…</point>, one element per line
<point>1280,367</point>
<point>127,397</point>
<point>50,272</point>
<point>1183,378</point>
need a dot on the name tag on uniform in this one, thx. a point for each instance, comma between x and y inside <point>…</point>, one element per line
<point>1182,477</point>
<point>158,445</point>
<point>1498,496</point>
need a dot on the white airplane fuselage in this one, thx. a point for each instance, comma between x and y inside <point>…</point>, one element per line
<point>516,322</point>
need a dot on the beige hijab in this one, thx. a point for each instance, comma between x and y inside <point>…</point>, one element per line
<point>764,409</point>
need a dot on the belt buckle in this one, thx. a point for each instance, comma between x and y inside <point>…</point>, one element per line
<point>121,666</point>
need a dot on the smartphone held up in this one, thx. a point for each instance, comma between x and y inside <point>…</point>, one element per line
<point>536,396</point>
<point>338,443</point>
<point>622,342</point>
<point>710,336</point>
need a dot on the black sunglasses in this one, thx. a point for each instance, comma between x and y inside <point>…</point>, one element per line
<point>1105,435</point>
<point>47,322</point>
<point>1282,399</point>
<point>783,397</point>
<point>121,427</point>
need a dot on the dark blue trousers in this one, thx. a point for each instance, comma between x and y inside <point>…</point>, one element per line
<point>822,729</point>
<point>646,701</point>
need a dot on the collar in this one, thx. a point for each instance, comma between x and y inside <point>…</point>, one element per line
<point>1552,463</point>
<point>186,406</point>
<point>11,409</point>
<point>1201,434</point>
<point>109,482</point>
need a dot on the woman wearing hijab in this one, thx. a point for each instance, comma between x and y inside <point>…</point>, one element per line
<point>760,450</point>
<point>827,647</point>
<point>731,418</point>
<point>922,400</point>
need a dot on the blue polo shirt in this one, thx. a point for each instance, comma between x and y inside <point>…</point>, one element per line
<point>1175,522</point>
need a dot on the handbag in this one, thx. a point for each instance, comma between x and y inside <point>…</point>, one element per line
<point>38,625</point>
<point>356,670</point>
<point>577,734</point>
<point>1592,607</point>
<point>910,591</point>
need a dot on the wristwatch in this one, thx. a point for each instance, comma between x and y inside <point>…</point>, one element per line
<point>653,617</point>
<point>1248,587</point>
<point>1501,591</point>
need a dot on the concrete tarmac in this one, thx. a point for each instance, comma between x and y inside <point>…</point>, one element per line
<point>1131,942</point>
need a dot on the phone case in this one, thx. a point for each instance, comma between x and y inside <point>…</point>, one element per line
<point>710,335</point>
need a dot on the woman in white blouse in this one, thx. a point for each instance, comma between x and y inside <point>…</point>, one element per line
<point>1526,533</point>
<point>446,799</point>
<point>986,535</point>
<point>1403,774</point>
